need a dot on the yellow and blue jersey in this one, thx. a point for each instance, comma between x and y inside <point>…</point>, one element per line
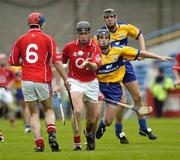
<point>112,67</point>
<point>17,71</point>
<point>123,31</point>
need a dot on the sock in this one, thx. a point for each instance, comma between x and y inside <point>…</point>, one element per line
<point>39,142</point>
<point>27,126</point>
<point>101,124</point>
<point>118,128</point>
<point>77,140</point>
<point>51,129</point>
<point>142,124</point>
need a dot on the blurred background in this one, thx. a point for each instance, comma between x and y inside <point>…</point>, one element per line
<point>159,21</point>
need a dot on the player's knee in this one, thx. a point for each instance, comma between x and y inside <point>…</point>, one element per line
<point>78,113</point>
<point>108,121</point>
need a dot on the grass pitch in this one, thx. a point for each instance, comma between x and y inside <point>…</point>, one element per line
<point>20,146</point>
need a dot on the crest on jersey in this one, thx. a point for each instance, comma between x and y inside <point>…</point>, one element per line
<point>122,36</point>
<point>80,53</point>
<point>98,58</point>
<point>115,57</point>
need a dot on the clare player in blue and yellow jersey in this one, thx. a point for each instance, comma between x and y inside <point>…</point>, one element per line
<point>111,73</point>
<point>120,32</point>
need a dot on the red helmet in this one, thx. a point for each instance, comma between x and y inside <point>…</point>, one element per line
<point>36,18</point>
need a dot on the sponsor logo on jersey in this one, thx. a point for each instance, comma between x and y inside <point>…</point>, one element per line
<point>108,66</point>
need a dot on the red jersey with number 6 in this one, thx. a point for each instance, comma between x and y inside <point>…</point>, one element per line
<point>76,54</point>
<point>35,49</point>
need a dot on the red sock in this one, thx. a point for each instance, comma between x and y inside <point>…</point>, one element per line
<point>77,140</point>
<point>39,142</point>
<point>51,128</point>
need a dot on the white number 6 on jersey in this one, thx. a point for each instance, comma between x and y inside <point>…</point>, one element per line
<point>34,54</point>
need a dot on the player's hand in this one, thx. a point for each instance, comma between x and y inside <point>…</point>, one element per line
<point>57,88</point>
<point>67,85</point>
<point>165,59</point>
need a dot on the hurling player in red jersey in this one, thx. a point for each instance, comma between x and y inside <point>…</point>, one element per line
<point>34,51</point>
<point>6,98</point>
<point>83,55</point>
<point>7,78</point>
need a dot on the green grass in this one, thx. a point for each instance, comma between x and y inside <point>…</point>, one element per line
<point>19,146</point>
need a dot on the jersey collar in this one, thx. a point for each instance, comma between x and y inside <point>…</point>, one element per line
<point>88,44</point>
<point>35,30</point>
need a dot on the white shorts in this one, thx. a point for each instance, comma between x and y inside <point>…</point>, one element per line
<point>6,96</point>
<point>90,89</point>
<point>33,91</point>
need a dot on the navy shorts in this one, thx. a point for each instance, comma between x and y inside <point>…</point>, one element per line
<point>130,75</point>
<point>111,91</point>
<point>19,94</point>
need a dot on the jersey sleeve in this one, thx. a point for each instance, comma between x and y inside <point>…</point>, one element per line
<point>133,31</point>
<point>130,53</point>
<point>55,52</point>
<point>14,58</point>
<point>96,56</point>
<point>65,55</point>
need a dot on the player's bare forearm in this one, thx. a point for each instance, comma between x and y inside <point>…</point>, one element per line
<point>145,54</point>
<point>141,42</point>
<point>92,66</point>
<point>59,68</point>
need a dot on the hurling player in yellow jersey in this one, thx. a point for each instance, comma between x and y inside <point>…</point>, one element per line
<point>120,32</point>
<point>20,98</point>
<point>111,74</point>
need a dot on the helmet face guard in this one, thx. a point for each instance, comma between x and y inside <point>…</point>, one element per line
<point>109,12</point>
<point>36,18</point>
<point>103,32</point>
<point>83,26</point>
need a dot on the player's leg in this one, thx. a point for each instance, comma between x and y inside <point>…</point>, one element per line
<point>44,92</point>
<point>110,113</point>
<point>132,85</point>
<point>31,99</point>
<point>91,108</point>
<point>111,91</point>
<point>77,99</point>
<point>118,124</point>
<point>8,100</point>
<point>76,91</point>
<point>91,100</point>
<point>98,114</point>
<point>24,110</point>
<point>50,124</point>
<point>36,125</point>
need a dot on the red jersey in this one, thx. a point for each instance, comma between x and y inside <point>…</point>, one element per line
<point>177,65</point>
<point>36,49</point>
<point>76,54</point>
<point>6,77</point>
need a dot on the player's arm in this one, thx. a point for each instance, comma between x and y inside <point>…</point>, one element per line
<point>95,61</point>
<point>59,68</point>
<point>146,54</point>
<point>15,57</point>
<point>130,53</point>
<point>56,60</point>
<point>141,42</point>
